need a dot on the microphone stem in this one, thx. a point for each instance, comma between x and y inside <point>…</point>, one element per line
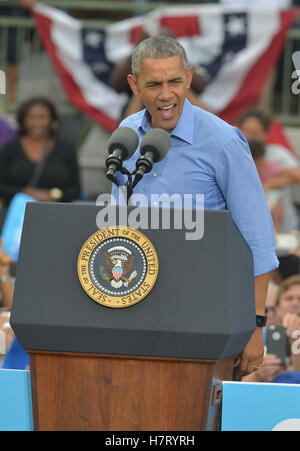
<point>140,172</point>
<point>110,174</point>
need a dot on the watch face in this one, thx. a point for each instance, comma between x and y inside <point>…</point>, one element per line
<point>56,193</point>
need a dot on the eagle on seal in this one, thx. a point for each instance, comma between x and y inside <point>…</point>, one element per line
<point>118,268</point>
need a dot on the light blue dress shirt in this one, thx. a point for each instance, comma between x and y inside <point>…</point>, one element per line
<point>210,157</point>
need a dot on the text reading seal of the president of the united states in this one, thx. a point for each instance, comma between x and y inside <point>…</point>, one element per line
<point>117,266</point>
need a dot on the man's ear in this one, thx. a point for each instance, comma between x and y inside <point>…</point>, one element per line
<point>132,81</point>
<point>190,72</point>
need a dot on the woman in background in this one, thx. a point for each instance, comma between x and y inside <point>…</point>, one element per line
<point>37,162</point>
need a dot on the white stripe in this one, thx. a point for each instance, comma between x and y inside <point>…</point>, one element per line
<point>205,48</point>
<point>230,78</point>
<point>68,42</point>
<point>66,35</point>
<point>188,10</point>
<point>97,94</point>
<point>56,15</point>
<point>117,44</point>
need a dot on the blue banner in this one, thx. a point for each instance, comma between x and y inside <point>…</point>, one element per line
<point>260,407</point>
<point>15,405</point>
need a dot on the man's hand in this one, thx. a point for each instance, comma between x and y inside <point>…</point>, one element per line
<point>253,353</point>
<point>270,367</point>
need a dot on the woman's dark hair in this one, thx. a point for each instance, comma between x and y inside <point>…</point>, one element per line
<point>264,118</point>
<point>28,104</point>
<point>257,149</point>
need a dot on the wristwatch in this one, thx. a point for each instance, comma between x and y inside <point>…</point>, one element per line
<point>261,321</point>
<point>56,193</point>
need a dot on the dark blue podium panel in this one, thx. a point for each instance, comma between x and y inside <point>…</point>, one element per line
<point>202,305</point>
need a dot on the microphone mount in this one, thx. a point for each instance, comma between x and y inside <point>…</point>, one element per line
<point>143,166</point>
<point>121,146</point>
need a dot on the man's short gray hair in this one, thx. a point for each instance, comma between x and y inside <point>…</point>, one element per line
<point>157,47</point>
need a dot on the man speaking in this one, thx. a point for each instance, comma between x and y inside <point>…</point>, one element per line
<point>207,156</point>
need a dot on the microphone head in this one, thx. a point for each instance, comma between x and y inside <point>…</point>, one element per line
<point>157,141</point>
<point>124,139</point>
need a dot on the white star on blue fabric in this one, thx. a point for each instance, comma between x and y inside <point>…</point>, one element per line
<point>93,39</point>
<point>236,25</point>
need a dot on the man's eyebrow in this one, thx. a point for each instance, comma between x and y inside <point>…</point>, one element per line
<point>156,83</point>
<point>152,83</point>
<point>175,79</point>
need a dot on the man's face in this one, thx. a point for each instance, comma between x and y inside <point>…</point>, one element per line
<point>162,85</point>
<point>289,301</point>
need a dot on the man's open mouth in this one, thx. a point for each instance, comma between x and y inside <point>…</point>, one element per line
<point>168,111</point>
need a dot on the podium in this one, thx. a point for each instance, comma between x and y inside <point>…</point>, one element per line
<point>155,365</point>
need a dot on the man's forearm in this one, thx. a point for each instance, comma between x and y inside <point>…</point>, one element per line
<point>252,355</point>
<point>261,288</point>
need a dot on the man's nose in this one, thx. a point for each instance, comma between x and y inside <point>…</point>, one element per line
<point>165,92</point>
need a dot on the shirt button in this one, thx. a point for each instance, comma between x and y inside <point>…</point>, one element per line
<point>154,174</point>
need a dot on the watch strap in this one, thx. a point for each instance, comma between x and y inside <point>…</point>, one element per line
<point>261,321</point>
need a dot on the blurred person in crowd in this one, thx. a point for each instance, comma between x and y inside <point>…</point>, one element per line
<point>279,169</point>
<point>272,296</point>
<point>267,169</point>
<point>118,77</point>
<point>6,296</point>
<point>288,304</point>
<point>7,133</point>
<point>14,11</point>
<point>255,125</point>
<point>287,314</point>
<point>37,147</point>
<point>6,283</point>
<point>273,178</point>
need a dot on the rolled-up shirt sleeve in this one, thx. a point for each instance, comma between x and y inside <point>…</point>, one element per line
<point>239,182</point>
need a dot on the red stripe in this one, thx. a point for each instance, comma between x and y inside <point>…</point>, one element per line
<point>182,26</point>
<point>257,76</point>
<point>276,135</point>
<point>136,34</point>
<point>71,88</point>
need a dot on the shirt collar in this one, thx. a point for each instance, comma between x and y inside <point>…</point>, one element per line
<point>184,129</point>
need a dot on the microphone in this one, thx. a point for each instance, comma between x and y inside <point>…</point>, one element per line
<point>154,148</point>
<point>121,146</point>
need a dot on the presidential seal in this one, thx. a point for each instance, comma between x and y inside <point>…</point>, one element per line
<point>117,266</point>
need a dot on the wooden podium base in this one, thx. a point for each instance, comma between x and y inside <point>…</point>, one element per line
<point>82,392</point>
